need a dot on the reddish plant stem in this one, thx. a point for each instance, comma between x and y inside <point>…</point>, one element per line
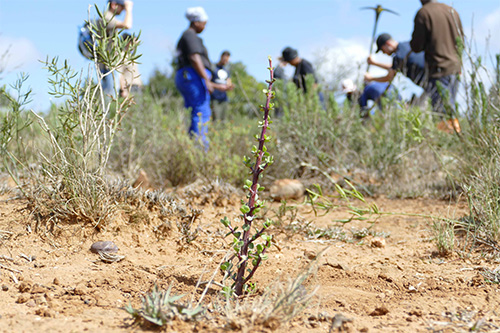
<point>257,264</point>
<point>257,170</point>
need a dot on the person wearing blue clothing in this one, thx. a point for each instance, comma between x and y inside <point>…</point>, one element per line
<point>374,91</point>
<point>411,64</point>
<point>193,75</point>
<point>221,75</point>
<point>111,24</point>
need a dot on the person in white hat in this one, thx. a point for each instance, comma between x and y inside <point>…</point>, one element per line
<point>193,76</point>
<point>350,90</point>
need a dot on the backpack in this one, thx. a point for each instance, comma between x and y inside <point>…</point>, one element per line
<point>85,42</point>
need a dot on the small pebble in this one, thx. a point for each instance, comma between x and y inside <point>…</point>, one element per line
<point>381,311</point>
<point>103,246</point>
<point>378,242</point>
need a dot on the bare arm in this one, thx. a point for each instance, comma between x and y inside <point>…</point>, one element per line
<point>388,78</point>
<point>378,64</point>
<point>198,66</point>
<point>127,21</point>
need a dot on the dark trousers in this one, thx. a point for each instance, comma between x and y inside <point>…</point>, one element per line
<point>108,84</point>
<point>443,93</point>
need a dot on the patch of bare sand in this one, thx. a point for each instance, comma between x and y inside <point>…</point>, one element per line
<point>398,287</point>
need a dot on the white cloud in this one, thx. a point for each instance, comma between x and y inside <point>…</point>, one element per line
<point>17,53</point>
<point>489,27</point>
<point>345,58</point>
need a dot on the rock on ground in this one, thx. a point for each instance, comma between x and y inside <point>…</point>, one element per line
<point>283,189</point>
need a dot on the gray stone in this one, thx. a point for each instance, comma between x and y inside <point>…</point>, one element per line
<point>103,246</point>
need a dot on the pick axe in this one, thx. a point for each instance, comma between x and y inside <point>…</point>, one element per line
<point>378,10</point>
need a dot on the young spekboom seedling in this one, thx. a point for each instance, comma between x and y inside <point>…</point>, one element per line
<point>250,245</point>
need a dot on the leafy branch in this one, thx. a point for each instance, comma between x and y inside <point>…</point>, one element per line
<point>245,241</point>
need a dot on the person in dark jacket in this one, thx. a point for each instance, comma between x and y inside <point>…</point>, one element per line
<point>411,64</point>
<point>302,67</point>
<point>438,32</point>
<point>193,76</point>
<point>219,99</point>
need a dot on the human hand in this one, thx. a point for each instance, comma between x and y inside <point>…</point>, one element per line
<point>128,5</point>
<point>210,85</point>
<point>223,87</point>
<point>368,77</point>
<point>370,61</point>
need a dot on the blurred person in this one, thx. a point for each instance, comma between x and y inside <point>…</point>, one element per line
<point>279,87</point>
<point>404,60</point>
<point>438,32</point>
<point>193,75</point>
<point>130,78</point>
<point>279,71</point>
<point>350,90</point>
<point>373,91</point>
<point>221,75</point>
<point>110,23</point>
<point>302,67</point>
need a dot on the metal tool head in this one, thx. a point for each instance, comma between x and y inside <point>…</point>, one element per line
<point>379,9</point>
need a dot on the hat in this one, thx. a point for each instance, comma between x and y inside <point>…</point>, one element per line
<point>119,2</point>
<point>381,40</point>
<point>348,86</point>
<point>289,54</point>
<point>196,14</point>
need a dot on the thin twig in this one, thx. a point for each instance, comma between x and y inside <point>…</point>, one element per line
<point>10,269</point>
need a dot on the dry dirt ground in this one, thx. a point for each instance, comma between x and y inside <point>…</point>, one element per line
<point>51,282</point>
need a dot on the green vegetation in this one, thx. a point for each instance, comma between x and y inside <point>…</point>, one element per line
<point>75,162</point>
<point>245,242</point>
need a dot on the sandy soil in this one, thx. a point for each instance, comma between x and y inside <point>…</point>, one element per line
<point>51,282</point>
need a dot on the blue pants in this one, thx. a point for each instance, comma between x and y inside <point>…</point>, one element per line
<point>108,84</point>
<point>196,96</point>
<point>443,98</point>
<point>373,91</point>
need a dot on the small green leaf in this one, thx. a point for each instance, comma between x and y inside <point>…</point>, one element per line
<point>225,222</point>
<point>245,209</point>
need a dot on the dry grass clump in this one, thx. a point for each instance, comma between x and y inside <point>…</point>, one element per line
<point>215,192</point>
<point>277,305</point>
<point>160,308</point>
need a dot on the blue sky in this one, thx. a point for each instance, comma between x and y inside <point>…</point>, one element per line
<point>336,31</point>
